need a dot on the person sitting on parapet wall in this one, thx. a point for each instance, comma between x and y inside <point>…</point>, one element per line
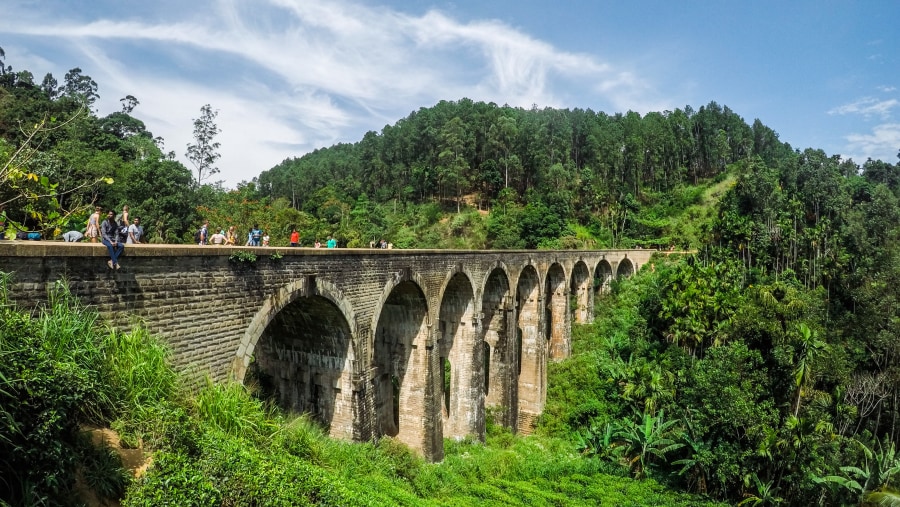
<point>109,231</point>
<point>72,236</point>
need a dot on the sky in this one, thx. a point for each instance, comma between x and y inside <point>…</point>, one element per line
<point>291,76</point>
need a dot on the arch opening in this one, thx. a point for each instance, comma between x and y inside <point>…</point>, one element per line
<point>400,364</point>
<point>602,277</point>
<point>625,269</point>
<point>501,349</point>
<point>532,354</point>
<point>461,358</point>
<point>303,361</point>
<point>581,295</point>
<point>557,332</point>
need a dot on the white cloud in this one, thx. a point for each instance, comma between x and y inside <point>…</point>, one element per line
<point>886,89</point>
<point>867,106</point>
<point>289,76</point>
<point>883,143</point>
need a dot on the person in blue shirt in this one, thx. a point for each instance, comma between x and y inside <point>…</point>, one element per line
<point>332,243</point>
<point>254,236</point>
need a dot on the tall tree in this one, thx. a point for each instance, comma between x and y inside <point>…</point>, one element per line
<point>80,87</point>
<point>205,152</point>
<point>452,156</point>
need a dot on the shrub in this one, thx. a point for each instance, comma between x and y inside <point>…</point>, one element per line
<point>49,383</point>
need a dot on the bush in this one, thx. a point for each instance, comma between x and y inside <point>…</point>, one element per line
<point>49,383</point>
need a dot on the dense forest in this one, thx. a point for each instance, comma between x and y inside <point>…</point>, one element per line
<point>762,370</point>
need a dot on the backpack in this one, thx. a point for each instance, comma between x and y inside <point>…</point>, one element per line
<point>197,235</point>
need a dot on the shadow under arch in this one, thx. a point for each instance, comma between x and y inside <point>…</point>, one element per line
<point>299,349</point>
<point>581,293</point>
<point>625,268</point>
<point>557,313</point>
<point>400,365</point>
<point>461,360</point>
<point>501,372</point>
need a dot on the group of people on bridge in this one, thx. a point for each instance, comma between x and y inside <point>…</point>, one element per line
<point>255,237</point>
<point>118,230</point>
<point>115,232</point>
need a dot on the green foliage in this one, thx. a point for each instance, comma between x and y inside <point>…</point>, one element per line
<point>50,381</point>
<point>102,470</point>
<point>230,410</point>
<point>650,437</point>
<point>243,256</point>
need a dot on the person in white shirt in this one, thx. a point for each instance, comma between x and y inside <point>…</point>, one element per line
<point>218,238</point>
<point>135,232</point>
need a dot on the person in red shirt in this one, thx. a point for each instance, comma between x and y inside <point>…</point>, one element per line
<point>295,237</point>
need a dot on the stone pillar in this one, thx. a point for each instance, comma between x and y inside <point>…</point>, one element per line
<point>433,442</point>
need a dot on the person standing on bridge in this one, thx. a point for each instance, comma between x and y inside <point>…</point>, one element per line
<point>109,231</point>
<point>135,232</point>
<point>93,225</point>
<point>255,235</point>
<point>123,219</point>
<point>331,243</point>
<point>218,238</point>
<point>203,234</point>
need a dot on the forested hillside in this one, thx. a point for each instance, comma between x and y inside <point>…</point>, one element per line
<point>549,177</point>
<point>764,369</point>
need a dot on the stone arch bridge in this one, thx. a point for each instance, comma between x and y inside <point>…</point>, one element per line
<point>412,344</point>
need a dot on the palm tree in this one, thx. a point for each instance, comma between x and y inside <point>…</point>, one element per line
<point>809,345</point>
<point>649,437</point>
<point>765,493</point>
<point>875,472</point>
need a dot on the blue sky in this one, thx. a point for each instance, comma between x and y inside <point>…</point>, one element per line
<point>290,76</point>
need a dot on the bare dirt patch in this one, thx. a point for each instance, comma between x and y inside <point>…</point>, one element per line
<point>135,461</point>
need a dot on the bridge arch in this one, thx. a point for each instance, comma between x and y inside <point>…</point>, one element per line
<point>557,313</point>
<point>461,359</point>
<point>603,275</point>
<point>400,363</point>
<point>300,350</point>
<point>581,292</point>
<point>625,268</point>
<point>532,365</point>
<point>501,360</point>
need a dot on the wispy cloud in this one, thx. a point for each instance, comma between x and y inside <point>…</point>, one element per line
<point>288,76</point>
<point>882,143</point>
<point>867,106</point>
